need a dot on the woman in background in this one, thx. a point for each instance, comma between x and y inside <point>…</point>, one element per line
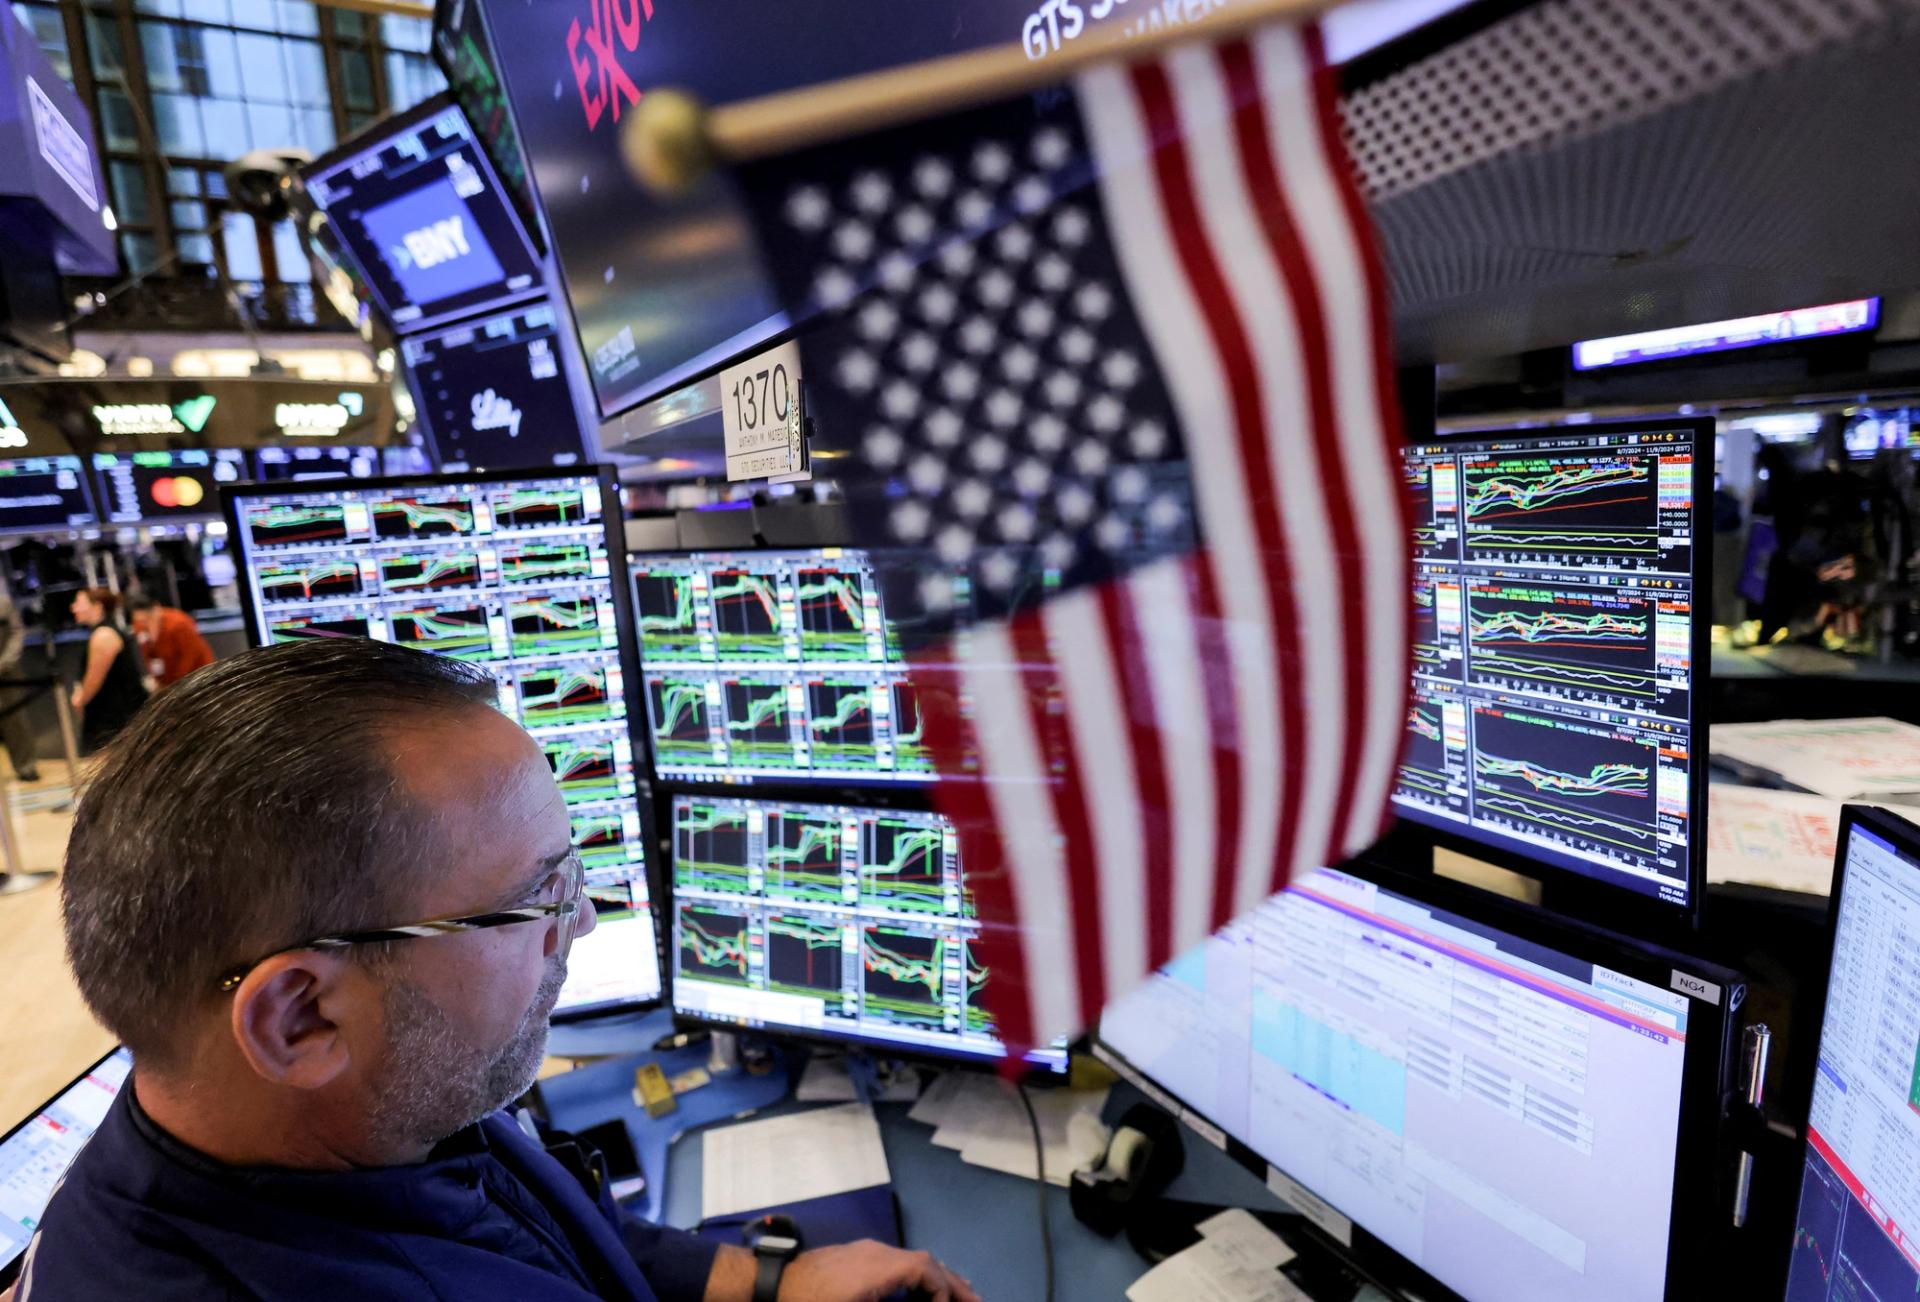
<point>111,688</point>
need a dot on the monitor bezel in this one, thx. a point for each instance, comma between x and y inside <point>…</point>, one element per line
<point>613,522</point>
<point>10,1271</point>
<point>1593,894</point>
<point>1693,1227</point>
<point>376,137</point>
<point>1904,836</point>
<point>87,492</point>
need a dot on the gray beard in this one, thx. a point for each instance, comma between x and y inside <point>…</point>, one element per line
<point>435,1083</point>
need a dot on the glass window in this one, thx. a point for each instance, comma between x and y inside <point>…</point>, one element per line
<point>50,33</point>
<point>410,79</point>
<point>103,42</point>
<point>349,24</point>
<point>356,79</point>
<point>242,245</point>
<point>139,250</point>
<point>163,8</point>
<point>309,68</point>
<point>263,73</point>
<point>216,185</point>
<point>130,205</point>
<point>299,17</point>
<point>220,57</point>
<point>292,259</point>
<point>399,33</point>
<point>183,181</point>
<point>158,41</point>
<point>316,129</point>
<point>197,249</point>
<point>206,11</point>
<point>226,123</point>
<point>117,121</point>
<point>176,120</point>
<point>258,14</point>
<point>188,216</point>
<point>272,125</point>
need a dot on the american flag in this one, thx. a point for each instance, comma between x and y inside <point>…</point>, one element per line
<point>1117,354</point>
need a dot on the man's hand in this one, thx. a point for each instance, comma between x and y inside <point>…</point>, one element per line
<point>868,1271</point>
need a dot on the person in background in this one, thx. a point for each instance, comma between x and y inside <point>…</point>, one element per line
<point>169,639</point>
<point>325,893</point>
<point>15,731</point>
<point>112,686</point>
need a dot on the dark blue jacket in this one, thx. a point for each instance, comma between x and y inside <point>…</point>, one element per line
<point>488,1215</point>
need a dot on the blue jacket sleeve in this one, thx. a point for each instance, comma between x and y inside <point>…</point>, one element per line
<point>675,1262</point>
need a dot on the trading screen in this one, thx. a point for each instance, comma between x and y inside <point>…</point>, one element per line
<point>35,1157</point>
<point>280,464</point>
<point>38,493</point>
<point>422,213</point>
<point>139,486</point>
<point>1856,1234</point>
<point>1553,692</point>
<point>846,922</point>
<point>1503,1115</point>
<point>512,575</point>
<point>492,393</point>
<point>782,666</point>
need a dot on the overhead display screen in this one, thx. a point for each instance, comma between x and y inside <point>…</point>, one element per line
<point>465,54</point>
<point>43,493</point>
<point>278,464</point>
<point>493,394</point>
<point>417,205</point>
<point>136,487</point>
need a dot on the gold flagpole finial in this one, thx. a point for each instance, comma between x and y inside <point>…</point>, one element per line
<point>665,143</point>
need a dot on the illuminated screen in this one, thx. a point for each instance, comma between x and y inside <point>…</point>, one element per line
<point>1855,1235</point>
<point>1553,708</point>
<point>492,393</point>
<point>1719,336</point>
<point>278,465</point>
<point>779,666</point>
<point>419,209</point>
<point>38,1152</point>
<point>1504,1115</point>
<point>141,486</point>
<point>42,493</point>
<point>513,575</point>
<point>845,922</point>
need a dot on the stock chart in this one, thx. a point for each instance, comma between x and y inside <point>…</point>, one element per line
<point>777,666</point>
<point>1553,648</point>
<point>844,921</point>
<point>511,574</point>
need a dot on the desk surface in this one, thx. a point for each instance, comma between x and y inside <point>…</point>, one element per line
<point>980,1222</point>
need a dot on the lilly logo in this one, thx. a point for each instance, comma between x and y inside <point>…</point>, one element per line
<point>431,245</point>
<point>494,411</point>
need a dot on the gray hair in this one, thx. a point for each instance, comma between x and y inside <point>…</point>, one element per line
<point>251,807</point>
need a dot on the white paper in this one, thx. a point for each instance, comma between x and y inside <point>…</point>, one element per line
<point>1002,1137</point>
<point>1844,759</point>
<point>790,1159</point>
<point>825,1080</point>
<point>1214,1270</point>
<point>934,1100</point>
<point>1241,1230</point>
<point>1782,839</point>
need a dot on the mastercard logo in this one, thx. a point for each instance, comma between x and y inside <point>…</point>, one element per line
<point>178,491</point>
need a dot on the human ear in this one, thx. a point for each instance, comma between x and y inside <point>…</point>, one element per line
<point>287,1015</point>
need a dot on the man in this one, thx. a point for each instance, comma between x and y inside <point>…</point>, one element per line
<point>15,729</point>
<point>314,1113</point>
<point>170,641</point>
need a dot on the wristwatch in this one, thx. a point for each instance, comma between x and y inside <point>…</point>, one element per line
<point>776,1244</point>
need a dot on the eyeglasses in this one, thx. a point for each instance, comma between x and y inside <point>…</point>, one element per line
<point>558,897</point>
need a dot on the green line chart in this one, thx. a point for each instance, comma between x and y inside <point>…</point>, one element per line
<point>712,945</point>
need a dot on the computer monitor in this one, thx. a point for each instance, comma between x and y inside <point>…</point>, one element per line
<point>35,1155</point>
<point>1452,1087</point>
<point>141,487</point>
<point>284,464</point>
<point>1857,1234</point>
<point>513,573</point>
<point>781,666</point>
<point>1560,621</point>
<point>492,393</point>
<point>416,204</point>
<point>840,922</point>
<point>44,494</point>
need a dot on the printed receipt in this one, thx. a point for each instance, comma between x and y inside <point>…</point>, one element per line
<point>789,1159</point>
<point>1237,1260</point>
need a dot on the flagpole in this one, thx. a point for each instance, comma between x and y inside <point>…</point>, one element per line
<point>672,139</point>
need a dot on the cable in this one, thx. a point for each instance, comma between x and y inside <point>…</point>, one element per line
<point>1040,1184</point>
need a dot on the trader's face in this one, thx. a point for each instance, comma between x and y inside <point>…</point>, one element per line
<point>86,611</point>
<point>465,1016</point>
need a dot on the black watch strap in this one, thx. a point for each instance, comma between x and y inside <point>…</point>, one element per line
<point>766,1278</point>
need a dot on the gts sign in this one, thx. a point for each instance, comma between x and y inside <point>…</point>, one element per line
<point>443,241</point>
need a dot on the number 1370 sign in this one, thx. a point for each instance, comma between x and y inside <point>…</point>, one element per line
<point>760,415</point>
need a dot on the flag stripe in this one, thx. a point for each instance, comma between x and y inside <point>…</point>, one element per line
<point>1270,202</point>
<point>1340,235</point>
<point>940,689</point>
<point>1041,683</point>
<point>1174,172</point>
<point>1238,672</point>
<point>1199,781</point>
<point>1120,618</point>
<point>1096,721</point>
